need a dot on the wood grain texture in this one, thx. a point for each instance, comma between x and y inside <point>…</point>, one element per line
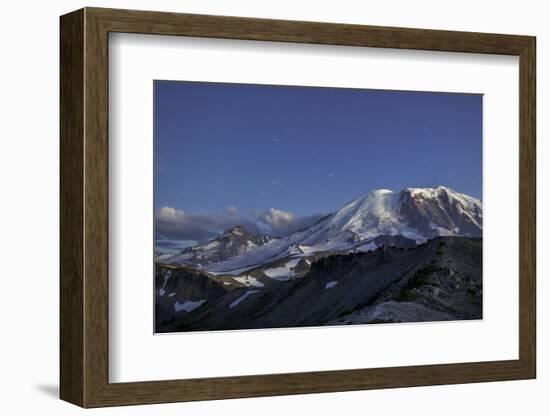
<point>162,23</point>
<point>527,208</point>
<point>84,207</point>
<point>71,100</point>
<point>96,208</point>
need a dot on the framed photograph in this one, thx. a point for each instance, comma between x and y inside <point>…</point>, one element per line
<point>255,207</point>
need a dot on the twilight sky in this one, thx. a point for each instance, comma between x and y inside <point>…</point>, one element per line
<point>275,158</point>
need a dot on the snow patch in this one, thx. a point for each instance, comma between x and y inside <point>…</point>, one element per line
<point>279,273</point>
<point>234,272</point>
<point>188,305</point>
<point>368,247</point>
<point>292,263</point>
<point>249,281</point>
<point>211,245</point>
<point>167,275</point>
<point>331,284</point>
<point>243,297</point>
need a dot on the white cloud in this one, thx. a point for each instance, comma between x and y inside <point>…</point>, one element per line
<point>170,214</point>
<point>277,218</point>
<point>285,223</point>
<point>172,223</point>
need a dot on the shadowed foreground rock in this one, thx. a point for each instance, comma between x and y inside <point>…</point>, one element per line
<point>437,281</point>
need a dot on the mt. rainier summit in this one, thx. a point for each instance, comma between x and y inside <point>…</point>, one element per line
<point>380,217</point>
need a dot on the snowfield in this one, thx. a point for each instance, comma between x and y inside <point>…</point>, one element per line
<point>280,273</point>
<point>249,281</point>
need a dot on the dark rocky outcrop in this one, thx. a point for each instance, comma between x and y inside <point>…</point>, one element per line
<point>175,285</point>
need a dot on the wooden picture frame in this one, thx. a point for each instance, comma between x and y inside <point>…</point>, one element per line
<point>84,207</point>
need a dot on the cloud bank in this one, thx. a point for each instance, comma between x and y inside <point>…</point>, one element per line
<point>175,224</point>
<point>172,223</point>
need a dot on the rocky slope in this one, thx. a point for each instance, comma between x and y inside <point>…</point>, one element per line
<point>180,290</point>
<point>437,280</point>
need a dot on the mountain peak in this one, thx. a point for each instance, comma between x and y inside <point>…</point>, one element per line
<point>381,191</point>
<point>236,230</point>
<point>427,191</point>
<point>233,242</point>
<point>415,214</point>
<point>441,211</point>
<point>434,192</point>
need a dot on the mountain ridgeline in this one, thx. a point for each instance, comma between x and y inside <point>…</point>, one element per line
<point>234,242</point>
<point>407,256</point>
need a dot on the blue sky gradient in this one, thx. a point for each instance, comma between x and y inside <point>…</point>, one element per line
<point>307,150</point>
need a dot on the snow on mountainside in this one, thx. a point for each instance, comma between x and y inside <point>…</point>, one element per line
<point>379,217</point>
<point>437,281</point>
<point>441,211</point>
<point>234,242</point>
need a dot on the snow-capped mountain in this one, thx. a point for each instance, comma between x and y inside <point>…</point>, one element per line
<point>441,211</point>
<point>380,217</point>
<point>234,242</point>
<point>415,213</point>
